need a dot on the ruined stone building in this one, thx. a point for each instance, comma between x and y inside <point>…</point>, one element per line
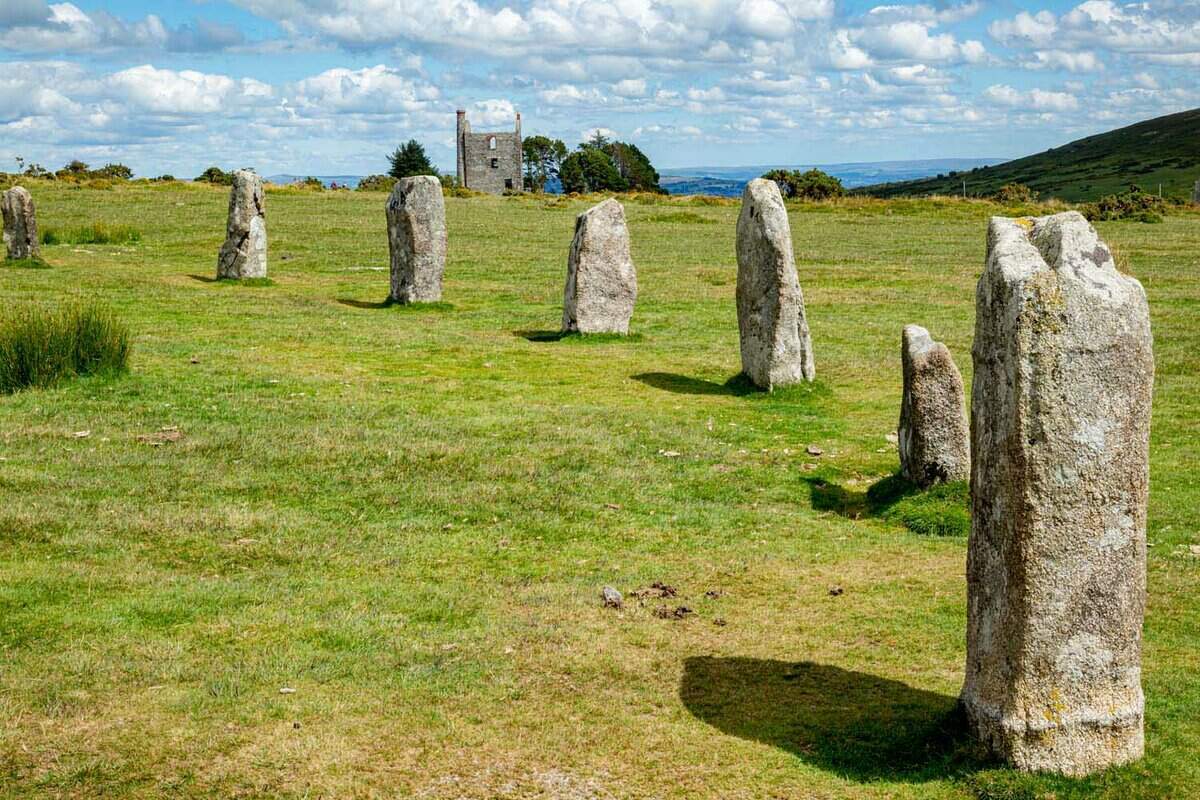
<point>488,162</point>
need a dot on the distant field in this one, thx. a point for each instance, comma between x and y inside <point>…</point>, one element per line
<point>407,516</point>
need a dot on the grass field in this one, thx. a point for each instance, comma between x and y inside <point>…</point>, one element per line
<point>404,518</point>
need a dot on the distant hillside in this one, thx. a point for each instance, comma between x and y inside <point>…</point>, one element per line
<point>730,181</point>
<point>1165,150</point>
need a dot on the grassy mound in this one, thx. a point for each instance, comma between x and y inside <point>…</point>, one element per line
<point>41,346</point>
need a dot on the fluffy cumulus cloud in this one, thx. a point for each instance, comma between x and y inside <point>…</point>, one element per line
<point>698,80</point>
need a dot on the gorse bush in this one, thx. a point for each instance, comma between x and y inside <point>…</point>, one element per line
<point>811,185</point>
<point>1016,193</point>
<point>1133,204</point>
<point>96,233</point>
<point>376,183</point>
<point>42,346</point>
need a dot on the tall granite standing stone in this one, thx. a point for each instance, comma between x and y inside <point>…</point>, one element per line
<point>601,279</point>
<point>416,215</point>
<point>20,223</point>
<point>1056,564</point>
<point>935,440</point>
<point>244,254</point>
<point>776,345</point>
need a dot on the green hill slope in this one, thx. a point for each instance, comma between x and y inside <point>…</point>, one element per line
<point>1163,150</point>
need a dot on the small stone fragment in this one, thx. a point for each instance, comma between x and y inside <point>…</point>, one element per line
<point>612,598</point>
<point>1056,561</point>
<point>20,223</point>
<point>601,279</point>
<point>417,239</point>
<point>775,341</point>
<point>244,254</point>
<point>934,436</point>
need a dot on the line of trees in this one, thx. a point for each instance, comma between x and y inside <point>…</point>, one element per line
<point>597,165</point>
<point>75,170</point>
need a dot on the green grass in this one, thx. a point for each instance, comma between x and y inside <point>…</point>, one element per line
<point>95,233</point>
<point>35,262</point>
<point>407,516</point>
<point>1162,151</point>
<point>40,346</point>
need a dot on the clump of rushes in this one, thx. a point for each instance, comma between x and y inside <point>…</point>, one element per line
<point>41,346</point>
<point>96,233</point>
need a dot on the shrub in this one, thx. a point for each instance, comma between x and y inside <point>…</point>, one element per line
<point>811,185</point>
<point>1133,204</point>
<point>96,233</point>
<point>310,182</point>
<point>1015,194</point>
<point>215,175</point>
<point>376,183</point>
<point>40,346</point>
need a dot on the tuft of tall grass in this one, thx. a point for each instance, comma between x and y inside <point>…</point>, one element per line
<point>41,346</point>
<point>96,233</point>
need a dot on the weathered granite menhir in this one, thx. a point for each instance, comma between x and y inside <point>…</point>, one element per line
<point>417,239</point>
<point>244,254</point>
<point>601,285</point>
<point>934,437</point>
<point>20,223</point>
<point>1056,564</point>
<point>775,342</point>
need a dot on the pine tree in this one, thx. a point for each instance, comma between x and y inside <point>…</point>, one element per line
<point>409,159</point>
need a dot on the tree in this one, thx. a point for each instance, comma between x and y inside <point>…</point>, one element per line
<point>409,159</point>
<point>634,167</point>
<point>598,140</point>
<point>590,169</point>
<point>543,159</point>
<point>117,171</point>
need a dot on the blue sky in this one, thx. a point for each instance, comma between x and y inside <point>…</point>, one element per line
<point>330,86</point>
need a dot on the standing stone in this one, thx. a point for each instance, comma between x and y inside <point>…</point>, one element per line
<point>601,279</point>
<point>776,345</point>
<point>20,223</point>
<point>1056,564</point>
<point>416,215</point>
<point>935,441</point>
<point>244,254</point>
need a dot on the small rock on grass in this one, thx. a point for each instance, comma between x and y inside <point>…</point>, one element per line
<point>836,591</point>
<point>612,598</point>
<point>813,450</point>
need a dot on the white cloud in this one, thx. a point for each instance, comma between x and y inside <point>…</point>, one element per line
<point>911,40</point>
<point>185,92</point>
<point>1070,61</point>
<point>1146,29</point>
<point>372,90</point>
<point>1033,100</point>
<point>631,87</point>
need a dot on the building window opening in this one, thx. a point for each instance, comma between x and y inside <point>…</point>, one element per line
<point>495,163</point>
<point>508,183</point>
<point>492,143</point>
